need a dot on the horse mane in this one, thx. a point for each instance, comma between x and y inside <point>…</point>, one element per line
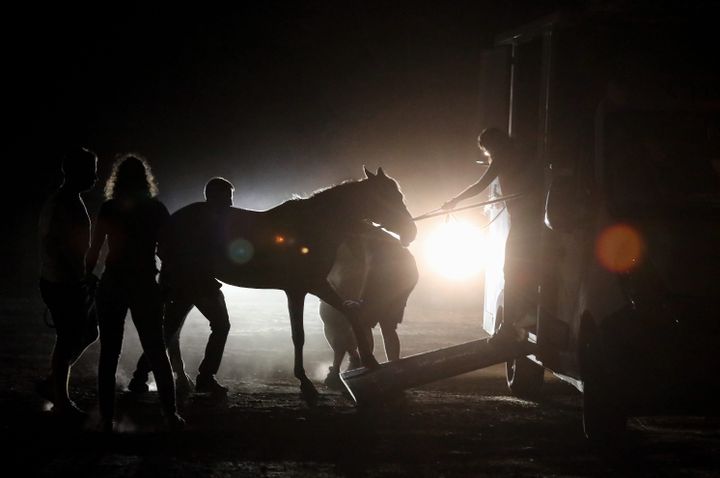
<point>323,194</point>
<point>336,189</point>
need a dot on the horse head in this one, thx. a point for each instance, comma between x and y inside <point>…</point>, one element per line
<point>384,204</point>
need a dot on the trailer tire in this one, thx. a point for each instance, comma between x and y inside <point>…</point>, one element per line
<point>524,377</point>
<point>604,416</point>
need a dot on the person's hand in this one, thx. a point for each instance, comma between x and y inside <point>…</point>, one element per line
<point>353,304</point>
<point>450,204</point>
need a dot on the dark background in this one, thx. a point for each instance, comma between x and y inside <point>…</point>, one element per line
<point>279,97</point>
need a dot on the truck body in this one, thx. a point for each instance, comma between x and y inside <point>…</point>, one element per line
<point>623,113</point>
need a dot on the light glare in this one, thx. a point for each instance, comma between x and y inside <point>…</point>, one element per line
<point>456,250</point>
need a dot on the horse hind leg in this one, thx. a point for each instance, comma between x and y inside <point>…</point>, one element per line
<point>296,302</point>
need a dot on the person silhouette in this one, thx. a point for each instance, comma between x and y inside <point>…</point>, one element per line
<point>376,273</point>
<point>187,287</point>
<point>517,173</point>
<point>65,287</point>
<point>131,220</point>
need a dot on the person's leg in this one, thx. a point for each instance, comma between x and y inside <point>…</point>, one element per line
<point>353,359</point>
<point>87,327</point>
<point>370,312</point>
<point>519,298</point>
<point>147,313</point>
<point>212,306</point>
<point>339,336</point>
<point>183,383</point>
<point>112,309</point>
<point>67,307</point>
<point>390,339</point>
<point>176,311</point>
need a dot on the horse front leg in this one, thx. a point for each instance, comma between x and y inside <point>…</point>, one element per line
<point>296,303</point>
<point>326,293</point>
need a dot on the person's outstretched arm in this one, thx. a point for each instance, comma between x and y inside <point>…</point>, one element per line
<point>476,188</point>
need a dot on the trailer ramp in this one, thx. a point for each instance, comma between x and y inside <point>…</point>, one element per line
<point>367,386</point>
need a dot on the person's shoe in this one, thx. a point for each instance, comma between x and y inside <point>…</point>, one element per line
<point>175,422</point>
<point>45,389</point>
<point>208,384</point>
<point>184,385</point>
<point>138,385</point>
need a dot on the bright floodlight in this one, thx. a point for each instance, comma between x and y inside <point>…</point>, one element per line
<point>456,250</point>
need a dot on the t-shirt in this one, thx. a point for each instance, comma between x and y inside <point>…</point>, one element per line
<point>190,247</point>
<point>133,228</point>
<point>64,228</point>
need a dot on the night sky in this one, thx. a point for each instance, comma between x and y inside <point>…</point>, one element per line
<point>279,97</point>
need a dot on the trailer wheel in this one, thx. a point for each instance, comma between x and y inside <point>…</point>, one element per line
<point>524,377</point>
<point>604,417</point>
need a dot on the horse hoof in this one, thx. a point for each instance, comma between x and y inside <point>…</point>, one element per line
<point>309,392</point>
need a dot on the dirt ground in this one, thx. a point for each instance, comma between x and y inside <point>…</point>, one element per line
<point>463,426</point>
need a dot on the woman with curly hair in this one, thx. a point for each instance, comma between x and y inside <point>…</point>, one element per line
<point>131,220</point>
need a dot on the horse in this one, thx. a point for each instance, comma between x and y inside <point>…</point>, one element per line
<point>292,247</point>
<point>374,270</point>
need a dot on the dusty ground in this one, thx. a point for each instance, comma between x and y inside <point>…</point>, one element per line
<point>464,426</point>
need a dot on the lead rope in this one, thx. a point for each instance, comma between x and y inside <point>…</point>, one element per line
<point>442,212</point>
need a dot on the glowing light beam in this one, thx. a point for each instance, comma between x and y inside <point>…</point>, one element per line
<point>456,250</point>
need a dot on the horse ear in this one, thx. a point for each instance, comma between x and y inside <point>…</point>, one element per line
<point>368,174</point>
<point>381,173</point>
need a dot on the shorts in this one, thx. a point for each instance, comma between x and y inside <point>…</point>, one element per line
<point>72,308</point>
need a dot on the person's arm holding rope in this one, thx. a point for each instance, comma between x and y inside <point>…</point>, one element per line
<point>474,189</point>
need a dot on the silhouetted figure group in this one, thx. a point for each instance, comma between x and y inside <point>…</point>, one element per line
<point>333,244</point>
<point>192,245</point>
<point>131,222</point>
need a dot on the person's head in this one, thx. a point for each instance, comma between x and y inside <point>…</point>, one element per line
<point>493,141</point>
<point>79,168</point>
<point>219,192</point>
<point>131,177</point>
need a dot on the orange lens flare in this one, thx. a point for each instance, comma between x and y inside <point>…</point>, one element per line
<point>620,248</point>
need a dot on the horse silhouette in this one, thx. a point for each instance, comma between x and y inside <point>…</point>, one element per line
<point>291,247</point>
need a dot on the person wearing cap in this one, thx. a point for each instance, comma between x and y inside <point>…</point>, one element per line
<point>517,174</point>
<point>186,286</point>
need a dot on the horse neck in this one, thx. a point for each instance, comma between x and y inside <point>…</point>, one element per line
<point>340,207</point>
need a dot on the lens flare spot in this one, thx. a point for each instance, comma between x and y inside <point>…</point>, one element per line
<point>279,239</point>
<point>620,248</point>
<point>304,250</point>
<point>241,251</point>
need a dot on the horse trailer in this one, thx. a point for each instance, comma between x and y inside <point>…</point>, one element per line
<point>623,113</point>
